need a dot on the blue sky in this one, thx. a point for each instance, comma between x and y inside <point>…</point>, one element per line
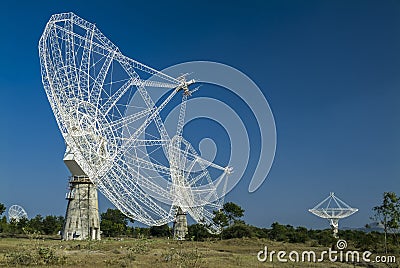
<point>329,69</point>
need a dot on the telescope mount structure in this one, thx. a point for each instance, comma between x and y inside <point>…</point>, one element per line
<point>115,131</point>
<point>333,209</point>
<point>82,220</point>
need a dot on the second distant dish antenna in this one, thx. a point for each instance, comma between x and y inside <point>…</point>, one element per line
<point>16,213</point>
<point>333,209</point>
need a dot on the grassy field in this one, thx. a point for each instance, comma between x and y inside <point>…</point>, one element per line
<point>151,253</point>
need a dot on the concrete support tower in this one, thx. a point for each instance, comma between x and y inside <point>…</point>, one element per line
<point>82,217</point>
<point>180,225</point>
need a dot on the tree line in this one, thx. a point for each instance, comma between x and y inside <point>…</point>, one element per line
<point>229,219</point>
<point>49,225</point>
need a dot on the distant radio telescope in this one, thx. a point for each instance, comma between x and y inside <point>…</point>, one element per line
<point>16,213</point>
<point>333,209</point>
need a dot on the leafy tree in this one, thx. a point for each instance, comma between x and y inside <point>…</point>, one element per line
<point>325,238</point>
<point>228,215</point>
<point>17,226</point>
<point>21,224</point>
<point>49,225</point>
<point>388,214</point>
<point>2,209</point>
<point>140,232</point>
<point>278,232</point>
<point>52,224</point>
<point>3,221</point>
<point>197,232</point>
<point>36,224</point>
<point>220,219</point>
<point>113,222</point>
<point>260,232</point>
<point>298,235</point>
<point>3,225</point>
<point>233,212</point>
<point>160,231</point>
<point>238,230</point>
<point>363,241</point>
<point>12,226</point>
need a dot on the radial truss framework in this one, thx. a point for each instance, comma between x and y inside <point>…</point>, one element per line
<point>101,101</point>
<point>333,209</point>
<point>16,213</point>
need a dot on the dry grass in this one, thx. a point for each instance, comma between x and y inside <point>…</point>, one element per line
<point>150,253</point>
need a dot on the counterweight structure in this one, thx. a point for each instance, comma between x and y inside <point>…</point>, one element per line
<point>333,209</point>
<point>114,129</point>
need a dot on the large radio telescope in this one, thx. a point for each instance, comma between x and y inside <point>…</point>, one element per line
<point>333,209</point>
<point>16,213</point>
<point>147,175</point>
